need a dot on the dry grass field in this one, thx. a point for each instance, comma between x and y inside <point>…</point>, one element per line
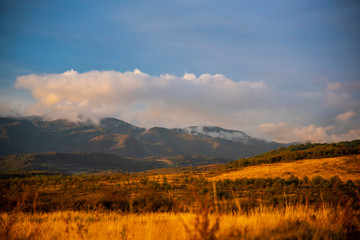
<point>346,167</point>
<point>258,209</point>
<point>263,223</point>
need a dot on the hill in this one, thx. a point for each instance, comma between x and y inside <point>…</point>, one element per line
<point>345,167</point>
<point>311,160</point>
<point>298,152</point>
<point>71,163</point>
<point>91,162</point>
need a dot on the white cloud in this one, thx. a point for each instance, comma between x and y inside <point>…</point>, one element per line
<point>285,133</point>
<point>9,110</point>
<point>94,86</point>
<point>333,86</point>
<point>345,116</point>
<point>165,99</point>
<point>180,101</point>
<point>348,136</point>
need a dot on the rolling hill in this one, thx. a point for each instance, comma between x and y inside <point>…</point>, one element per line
<point>89,162</point>
<point>346,167</point>
<point>71,163</point>
<point>310,160</point>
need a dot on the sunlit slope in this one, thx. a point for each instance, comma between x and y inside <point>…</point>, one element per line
<point>346,167</point>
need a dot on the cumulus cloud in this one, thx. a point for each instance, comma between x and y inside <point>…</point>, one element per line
<point>178,101</point>
<point>94,86</point>
<point>345,116</point>
<point>136,95</point>
<point>285,133</point>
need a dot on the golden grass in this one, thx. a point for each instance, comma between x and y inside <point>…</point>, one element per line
<point>262,223</point>
<point>346,167</point>
<point>290,222</point>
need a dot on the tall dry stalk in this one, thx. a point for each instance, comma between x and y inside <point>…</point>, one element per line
<point>7,223</point>
<point>215,197</point>
<point>202,228</point>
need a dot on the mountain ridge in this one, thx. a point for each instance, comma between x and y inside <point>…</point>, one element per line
<point>36,135</point>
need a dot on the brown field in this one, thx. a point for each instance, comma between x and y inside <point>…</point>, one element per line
<point>293,222</point>
<point>346,167</point>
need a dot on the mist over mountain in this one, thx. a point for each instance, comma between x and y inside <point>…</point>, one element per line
<point>114,136</point>
<point>217,132</point>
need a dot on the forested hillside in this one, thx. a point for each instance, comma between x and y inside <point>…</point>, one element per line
<point>297,152</point>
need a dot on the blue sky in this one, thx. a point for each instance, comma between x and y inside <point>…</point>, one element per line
<point>296,63</point>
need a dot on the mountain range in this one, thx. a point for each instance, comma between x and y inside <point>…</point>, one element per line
<point>114,136</point>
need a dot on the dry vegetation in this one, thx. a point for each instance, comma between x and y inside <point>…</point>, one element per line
<point>346,167</point>
<point>303,199</point>
<point>292,222</point>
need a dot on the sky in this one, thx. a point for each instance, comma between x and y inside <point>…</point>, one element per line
<point>285,70</point>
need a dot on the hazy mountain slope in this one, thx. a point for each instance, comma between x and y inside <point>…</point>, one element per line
<point>73,163</point>
<point>35,135</point>
<point>20,136</point>
<point>123,145</point>
<point>181,143</point>
<point>116,126</point>
<point>170,142</point>
<point>87,161</point>
<point>216,132</point>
